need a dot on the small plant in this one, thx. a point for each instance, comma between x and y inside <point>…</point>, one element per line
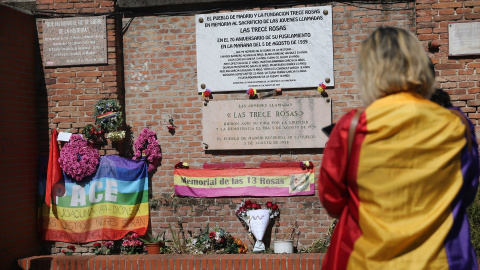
<point>473,212</point>
<point>159,238</point>
<point>69,251</point>
<point>178,239</point>
<point>321,245</point>
<point>131,244</point>
<point>291,230</point>
<point>104,248</point>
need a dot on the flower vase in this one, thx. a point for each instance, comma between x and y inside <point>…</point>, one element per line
<point>258,223</point>
<point>153,248</point>
<point>285,246</point>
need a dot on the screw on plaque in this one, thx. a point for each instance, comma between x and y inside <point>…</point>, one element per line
<point>327,80</point>
<point>203,86</point>
<point>200,20</point>
<point>325,12</point>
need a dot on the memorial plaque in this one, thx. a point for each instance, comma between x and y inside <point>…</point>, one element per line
<point>266,124</point>
<point>464,38</point>
<point>281,48</point>
<point>75,41</point>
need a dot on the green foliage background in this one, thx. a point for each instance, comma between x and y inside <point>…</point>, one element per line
<point>473,212</point>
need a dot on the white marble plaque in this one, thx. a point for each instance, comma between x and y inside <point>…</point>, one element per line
<point>75,41</point>
<point>464,38</point>
<point>266,124</point>
<point>280,48</point>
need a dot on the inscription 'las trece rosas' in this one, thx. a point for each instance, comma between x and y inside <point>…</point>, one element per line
<point>288,123</point>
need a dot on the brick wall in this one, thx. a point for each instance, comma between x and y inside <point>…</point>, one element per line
<point>18,135</point>
<point>160,82</point>
<point>459,76</point>
<point>72,91</point>
<point>159,73</point>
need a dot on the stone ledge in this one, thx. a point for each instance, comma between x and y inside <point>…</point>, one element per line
<point>301,261</point>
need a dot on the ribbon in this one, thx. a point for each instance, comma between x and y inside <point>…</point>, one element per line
<point>107,115</point>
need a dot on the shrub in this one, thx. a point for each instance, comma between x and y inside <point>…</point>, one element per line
<point>473,212</point>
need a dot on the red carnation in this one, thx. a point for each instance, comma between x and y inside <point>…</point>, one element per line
<point>248,204</point>
<point>212,235</point>
<point>274,206</point>
<point>206,93</point>
<point>97,245</point>
<point>269,204</point>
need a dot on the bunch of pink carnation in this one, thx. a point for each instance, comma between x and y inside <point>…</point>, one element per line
<point>131,244</point>
<point>78,158</point>
<point>147,146</point>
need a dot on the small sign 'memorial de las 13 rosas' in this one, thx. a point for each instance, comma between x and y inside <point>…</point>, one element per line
<point>74,41</point>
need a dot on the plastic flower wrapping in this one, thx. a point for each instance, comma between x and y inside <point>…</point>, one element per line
<point>244,207</point>
<point>147,146</point>
<point>116,136</point>
<point>78,158</point>
<point>256,219</point>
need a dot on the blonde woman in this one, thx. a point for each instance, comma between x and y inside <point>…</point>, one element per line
<point>401,194</point>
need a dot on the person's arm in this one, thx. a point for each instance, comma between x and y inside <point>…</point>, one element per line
<point>332,183</point>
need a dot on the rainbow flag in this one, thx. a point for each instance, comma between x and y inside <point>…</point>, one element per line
<point>107,115</point>
<point>284,181</point>
<point>402,195</point>
<point>105,206</point>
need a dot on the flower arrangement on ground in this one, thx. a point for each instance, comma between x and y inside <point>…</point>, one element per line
<point>78,158</point>
<point>132,245</point>
<point>256,219</point>
<point>104,248</point>
<point>215,240</point>
<point>69,251</point>
<point>147,146</point>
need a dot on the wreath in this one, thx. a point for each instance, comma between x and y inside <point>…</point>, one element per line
<point>78,158</point>
<point>107,114</point>
<point>147,146</point>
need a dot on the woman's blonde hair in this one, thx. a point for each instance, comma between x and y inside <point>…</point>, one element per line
<point>392,60</point>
